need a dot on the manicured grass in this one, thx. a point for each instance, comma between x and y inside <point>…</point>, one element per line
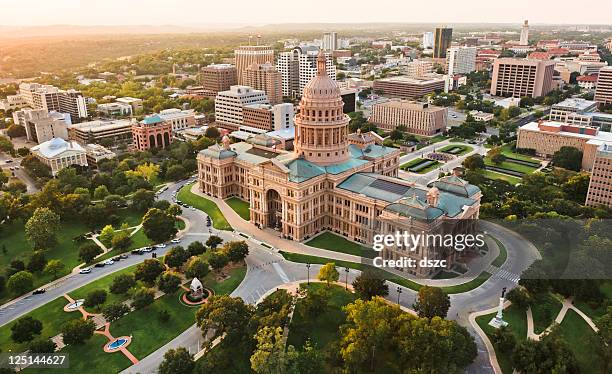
<point>433,166</point>
<point>219,222</point>
<point>517,323</point>
<point>509,165</point>
<point>411,163</point>
<point>323,329</point>
<point>507,151</point>
<point>545,309</point>
<point>139,240</point>
<point>503,253</point>
<point>464,149</point>
<point>489,174</point>
<point>225,287</point>
<point>579,337</point>
<point>337,243</point>
<point>240,206</point>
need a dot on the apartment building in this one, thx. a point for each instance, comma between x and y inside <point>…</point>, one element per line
<point>522,77</point>
<point>409,87</point>
<point>267,78</point>
<point>600,185</point>
<point>603,92</point>
<point>218,77</point>
<point>418,118</point>
<point>246,56</point>
<point>229,105</point>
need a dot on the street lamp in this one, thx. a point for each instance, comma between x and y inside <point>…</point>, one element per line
<point>346,270</point>
<point>308,272</point>
<point>399,292</point>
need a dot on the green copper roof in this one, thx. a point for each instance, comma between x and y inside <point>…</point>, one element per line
<point>149,120</point>
<point>371,151</point>
<point>457,186</point>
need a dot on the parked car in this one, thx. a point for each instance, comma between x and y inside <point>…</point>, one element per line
<point>100,265</point>
<point>137,252</point>
<point>160,245</point>
<point>39,291</point>
<point>85,271</point>
<point>146,249</point>
<point>124,256</point>
<point>175,241</point>
<point>108,262</point>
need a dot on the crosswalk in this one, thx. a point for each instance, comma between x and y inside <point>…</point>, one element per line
<point>503,274</point>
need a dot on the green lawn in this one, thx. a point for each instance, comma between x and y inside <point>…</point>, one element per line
<point>240,206</point>
<point>490,174</point>
<point>544,309</point>
<point>579,336</point>
<point>509,165</point>
<point>503,253</point>
<point>506,150</point>
<point>464,149</point>
<point>597,310</point>
<point>517,322</point>
<point>411,163</point>
<point>219,222</point>
<point>323,329</point>
<point>225,287</point>
<point>333,242</point>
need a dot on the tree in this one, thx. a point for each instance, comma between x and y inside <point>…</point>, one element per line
<point>168,283</point>
<point>106,236</point>
<point>549,355</point>
<point>6,145</point>
<point>328,273</point>
<point>53,267</point>
<point>41,228</point>
<point>176,172</point>
<point>177,361</point>
<point>432,302</point>
<point>20,282</point>
<point>148,271</point>
<point>15,131</point>
<point>212,133</point>
<point>88,251</point>
<point>143,199</point>
<point>197,268</point>
<point>142,298</point>
<point>95,298</point>
<point>504,339</point>
<point>121,241</point>
<point>474,162</point>
<point>176,257</point>
<point>498,158</point>
<point>368,284</point>
<point>148,171</point>
<point>122,283</point>
<point>77,331</point>
<point>218,260</point>
<point>226,315</point>
<point>236,250</point>
<point>101,192</point>
<point>269,355</point>
<point>519,297</point>
<point>568,158</point>
<point>37,262</point>
<point>42,346</point>
<point>213,241</point>
<point>25,328</point>
<point>158,225</point>
<point>115,311</point>
<point>315,302</point>
<point>196,248</point>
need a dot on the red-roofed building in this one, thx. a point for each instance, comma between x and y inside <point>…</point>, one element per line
<point>539,56</point>
<point>485,58</point>
<point>548,44</point>
<point>558,51</point>
<point>587,82</point>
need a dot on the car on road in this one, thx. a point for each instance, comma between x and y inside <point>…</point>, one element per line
<point>192,208</point>
<point>137,252</point>
<point>85,271</point>
<point>100,265</point>
<point>124,256</point>
<point>39,291</point>
<point>146,249</point>
<point>160,245</point>
<point>175,241</point>
<point>108,262</point>
<point>117,258</point>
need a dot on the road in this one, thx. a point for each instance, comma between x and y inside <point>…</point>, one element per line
<point>20,173</point>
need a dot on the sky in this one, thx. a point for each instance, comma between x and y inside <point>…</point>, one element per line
<point>252,12</point>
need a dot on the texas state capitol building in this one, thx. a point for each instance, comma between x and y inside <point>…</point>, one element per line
<point>333,180</point>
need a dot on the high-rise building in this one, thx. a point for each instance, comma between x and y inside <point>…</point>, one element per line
<point>419,118</point>
<point>51,98</point>
<point>308,67</point>
<point>267,78</point>
<point>229,105</point>
<point>442,41</point>
<point>600,185</point>
<point>330,41</point>
<point>248,55</point>
<point>522,77</point>
<point>461,60</point>
<point>218,77</point>
<point>524,34</point>
<point>428,40</point>
<point>603,92</point>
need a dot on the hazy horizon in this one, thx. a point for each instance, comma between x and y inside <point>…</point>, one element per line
<point>194,13</point>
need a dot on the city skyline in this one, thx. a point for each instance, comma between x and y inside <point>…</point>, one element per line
<point>75,12</point>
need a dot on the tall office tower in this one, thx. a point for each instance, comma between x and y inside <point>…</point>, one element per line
<point>330,41</point>
<point>308,67</point>
<point>522,77</point>
<point>599,192</point>
<point>51,98</point>
<point>428,40</point>
<point>288,66</point>
<point>251,54</point>
<point>524,34</point>
<point>229,105</point>
<point>265,77</point>
<point>603,92</point>
<point>218,77</point>
<point>442,41</point>
<point>73,103</point>
<point>461,60</point>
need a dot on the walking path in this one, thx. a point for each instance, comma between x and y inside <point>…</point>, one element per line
<point>123,349</point>
<point>567,305</point>
<point>492,355</point>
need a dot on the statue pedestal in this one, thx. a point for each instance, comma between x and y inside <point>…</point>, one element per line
<point>497,322</point>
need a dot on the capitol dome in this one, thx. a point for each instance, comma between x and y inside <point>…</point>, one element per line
<point>321,86</point>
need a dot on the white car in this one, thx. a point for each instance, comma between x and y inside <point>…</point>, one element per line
<point>109,262</point>
<point>161,245</point>
<point>85,271</point>
<point>175,241</point>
